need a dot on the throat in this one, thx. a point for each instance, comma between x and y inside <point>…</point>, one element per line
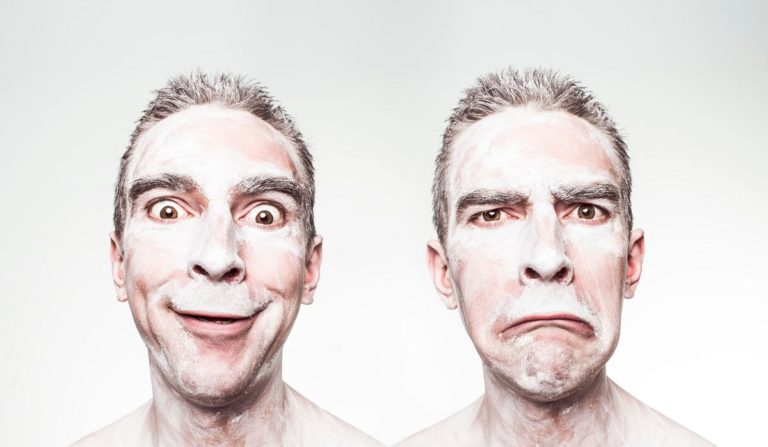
<point>584,419</point>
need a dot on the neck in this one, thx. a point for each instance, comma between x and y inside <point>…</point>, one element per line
<point>259,416</point>
<point>587,417</point>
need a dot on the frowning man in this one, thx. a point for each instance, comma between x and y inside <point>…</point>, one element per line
<point>536,249</point>
<point>214,249</point>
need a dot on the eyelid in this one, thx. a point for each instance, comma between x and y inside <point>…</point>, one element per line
<point>280,219</point>
<point>602,214</point>
<point>180,204</point>
<point>507,213</point>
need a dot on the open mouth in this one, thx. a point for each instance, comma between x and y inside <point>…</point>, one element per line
<point>215,320</point>
<point>215,324</point>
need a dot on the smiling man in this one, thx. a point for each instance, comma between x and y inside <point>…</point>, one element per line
<point>536,249</point>
<point>214,249</point>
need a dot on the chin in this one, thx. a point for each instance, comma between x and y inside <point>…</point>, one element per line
<point>213,391</point>
<point>548,372</point>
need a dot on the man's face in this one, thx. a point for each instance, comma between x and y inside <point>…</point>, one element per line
<point>537,255</point>
<point>213,259</point>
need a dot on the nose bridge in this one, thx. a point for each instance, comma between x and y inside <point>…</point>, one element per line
<point>549,234</point>
<point>547,259</point>
<point>216,252</point>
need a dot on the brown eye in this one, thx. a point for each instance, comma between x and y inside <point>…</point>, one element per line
<point>264,218</point>
<point>586,212</point>
<point>266,215</point>
<point>169,212</point>
<point>491,215</point>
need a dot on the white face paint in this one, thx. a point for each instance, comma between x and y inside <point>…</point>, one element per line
<point>214,275</point>
<point>538,251</point>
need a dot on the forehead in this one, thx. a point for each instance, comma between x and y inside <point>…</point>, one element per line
<point>521,148</point>
<point>214,143</point>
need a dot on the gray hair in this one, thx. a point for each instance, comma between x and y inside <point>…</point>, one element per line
<point>227,90</point>
<point>545,90</point>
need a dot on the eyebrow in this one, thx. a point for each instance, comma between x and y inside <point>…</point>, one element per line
<point>488,197</point>
<point>171,182</point>
<point>260,184</point>
<point>580,193</point>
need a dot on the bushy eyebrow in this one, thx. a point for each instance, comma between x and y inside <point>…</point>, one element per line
<point>488,197</point>
<point>581,193</point>
<point>260,184</point>
<point>170,182</point>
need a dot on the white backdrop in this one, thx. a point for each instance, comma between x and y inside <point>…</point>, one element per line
<point>370,84</point>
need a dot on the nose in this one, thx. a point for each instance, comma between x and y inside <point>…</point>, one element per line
<point>216,256</point>
<point>546,261</point>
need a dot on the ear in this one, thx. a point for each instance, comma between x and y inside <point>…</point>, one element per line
<point>312,276</point>
<point>634,262</point>
<point>437,262</point>
<point>118,267</point>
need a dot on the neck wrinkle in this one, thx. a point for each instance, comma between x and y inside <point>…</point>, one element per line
<point>588,417</point>
<point>260,418</point>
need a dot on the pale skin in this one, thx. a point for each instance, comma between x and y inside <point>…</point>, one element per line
<point>537,259</point>
<point>214,263</point>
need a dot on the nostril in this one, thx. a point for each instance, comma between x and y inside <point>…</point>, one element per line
<point>199,270</point>
<point>561,274</point>
<point>232,275</point>
<point>531,273</point>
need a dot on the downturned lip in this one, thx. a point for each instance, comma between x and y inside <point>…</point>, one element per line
<point>564,321</point>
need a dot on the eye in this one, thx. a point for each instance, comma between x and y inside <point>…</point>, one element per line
<point>265,214</point>
<point>491,215</point>
<point>167,210</point>
<point>588,213</point>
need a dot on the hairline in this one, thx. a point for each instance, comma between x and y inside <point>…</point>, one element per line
<point>460,132</point>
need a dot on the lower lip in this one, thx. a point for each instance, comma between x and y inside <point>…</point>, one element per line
<point>210,328</point>
<point>578,327</point>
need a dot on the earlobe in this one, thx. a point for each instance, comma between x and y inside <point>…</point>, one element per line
<point>635,255</point>
<point>314,260</point>
<point>437,262</point>
<point>118,267</point>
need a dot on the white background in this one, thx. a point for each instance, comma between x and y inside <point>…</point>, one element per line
<point>370,84</point>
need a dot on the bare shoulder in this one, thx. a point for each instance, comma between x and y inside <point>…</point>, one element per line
<point>646,426</point>
<point>456,430</point>
<point>319,427</point>
<point>126,432</point>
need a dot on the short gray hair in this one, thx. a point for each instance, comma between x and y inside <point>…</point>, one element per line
<point>226,90</point>
<point>545,90</point>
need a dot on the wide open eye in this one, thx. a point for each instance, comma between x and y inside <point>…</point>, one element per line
<point>265,214</point>
<point>167,210</point>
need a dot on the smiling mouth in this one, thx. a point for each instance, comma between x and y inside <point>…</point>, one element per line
<point>208,324</point>
<point>568,322</point>
<point>215,320</point>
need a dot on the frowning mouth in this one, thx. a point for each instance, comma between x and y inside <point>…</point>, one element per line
<point>562,321</point>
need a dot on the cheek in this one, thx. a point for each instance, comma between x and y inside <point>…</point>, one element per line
<point>599,268</point>
<point>486,264</point>
<point>155,257</point>
<point>274,263</point>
